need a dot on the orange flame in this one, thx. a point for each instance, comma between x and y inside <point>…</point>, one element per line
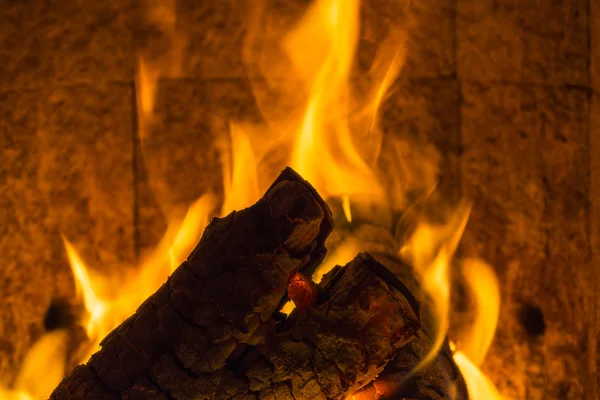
<point>324,149</point>
<point>163,16</point>
<point>42,369</point>
<point>483,286</point>
<point>109,300</point>
<point>431,249</point>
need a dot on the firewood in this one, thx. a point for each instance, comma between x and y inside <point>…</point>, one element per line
<point>212,331</point>
<point>438,380</point>
<point>338,346</point>
<point>329,351</point>
<point>222,296</point>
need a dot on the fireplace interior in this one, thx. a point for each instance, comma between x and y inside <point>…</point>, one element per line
<point>116,117</point>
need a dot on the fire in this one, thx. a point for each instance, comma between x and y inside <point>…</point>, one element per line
<point>431,249</point>
<point>33,382</point>
<point>330,131</point>
<point>322,51</point>
<point>483,286</point>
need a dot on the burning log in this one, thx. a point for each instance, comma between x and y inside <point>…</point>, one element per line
<point>223,295</point>
<point>338,346</point>
<point>212,330</point>
<point>440,379</point>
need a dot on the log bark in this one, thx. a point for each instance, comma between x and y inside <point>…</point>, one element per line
<point>332,350</point>
<point>222,296</point>
<point>440,379</point>
<point>212,330</point>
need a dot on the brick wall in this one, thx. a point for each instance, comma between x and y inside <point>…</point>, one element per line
<point>506,89</point>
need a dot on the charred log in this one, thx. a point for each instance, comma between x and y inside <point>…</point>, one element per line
<point>438,380</point>
<point>213,331</point>
<point>222,296</point>
<point>332,350</point>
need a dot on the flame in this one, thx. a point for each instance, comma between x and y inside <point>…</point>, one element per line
<point>483,286</point>
<point>324,150</point>
<point>33,382</point>
<point>480,387</point>
<point>342,254</point>
<point>240,179</point>
<point>431,249</point>
<point>109,299</point>
<point>162,15</point>
<point>321,50</point>
<point>328,130</point>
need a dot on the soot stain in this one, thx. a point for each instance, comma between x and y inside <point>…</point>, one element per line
<point>58,315</point>
<point>532,320</point>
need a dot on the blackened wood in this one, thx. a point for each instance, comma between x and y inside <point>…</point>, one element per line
<point>343,343</point>
<point>326,352</point>
<point>441,378</point>
<point>222,296</point>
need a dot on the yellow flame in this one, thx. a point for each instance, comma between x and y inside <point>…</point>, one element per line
<point>42,369</point>
<point>479,386</point>
<point>95,306</point>
<point>322,51</point>
<point>110,299</point>
<point>240,179</point>
<point>190,229</point>
<point>341,255</point>
<point>288,307</point>
<point>431,249</point>
<point>483,286</point>
<point>346,207</point>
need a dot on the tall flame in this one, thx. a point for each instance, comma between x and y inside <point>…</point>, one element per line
<point>483,286</point>
<point>431,249</point>
<point>329,130</point>
<point>109,300</point>
<point>324,148</point>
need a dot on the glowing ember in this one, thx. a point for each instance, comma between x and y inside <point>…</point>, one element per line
<point>330,130</point>
<point>302,292</point>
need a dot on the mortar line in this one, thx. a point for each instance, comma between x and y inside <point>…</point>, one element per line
<point>593,330</point>
<point>459,139</point>
<point>134,167</point>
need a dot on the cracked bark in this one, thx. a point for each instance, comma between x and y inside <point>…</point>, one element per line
<point>212,330</point>
<point>438,380</point>
<point>223,295</point>
<point>332,350</point>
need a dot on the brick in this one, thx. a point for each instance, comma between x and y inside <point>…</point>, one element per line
<point>180,156</point>
<point>206,39</point>
<point>66,169</point>
<point>431,34</point>
<point>525,164</point>
<point>523,41</point>
<point>186,38</point>
<point>424,114</point>
<point>49,42</point>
